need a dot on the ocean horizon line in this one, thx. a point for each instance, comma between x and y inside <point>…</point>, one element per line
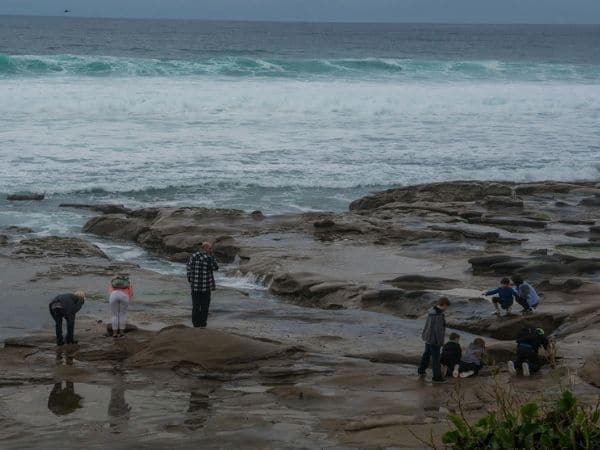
<point>304,22</point>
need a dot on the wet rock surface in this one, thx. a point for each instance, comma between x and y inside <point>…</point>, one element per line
<point>325,355</point>
<point>57,247</point>
<point>210,350</point>
<point>590,371</point>
<point>104,208</point>
<point>399,250</point>
<point>432,237</point>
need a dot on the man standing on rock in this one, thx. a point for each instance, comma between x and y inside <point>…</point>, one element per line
<point>200,275</point>
<point>433,335</point>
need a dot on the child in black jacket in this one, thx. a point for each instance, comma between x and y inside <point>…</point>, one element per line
<point>529,342</point>
<point>451,355</point>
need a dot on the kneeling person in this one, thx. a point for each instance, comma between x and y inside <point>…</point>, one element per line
<point>529,342</point>
<point>451,355</point>
<point>472,362</point>
<point>65,306</point>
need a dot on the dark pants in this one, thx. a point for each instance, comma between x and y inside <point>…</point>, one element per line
<point>465,367</point>
<point>524,304</point>
<point>431,352</point>
<point>200,305</point>
<point>58,314</point>
<point>449,361</point>
<point>528,357</point>
<point>504,304</point>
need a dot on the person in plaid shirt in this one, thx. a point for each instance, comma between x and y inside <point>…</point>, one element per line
<point>200,275</point>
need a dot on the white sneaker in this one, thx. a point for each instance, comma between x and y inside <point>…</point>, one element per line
<point>511,368</point>
<point>497,312</point>
<point>455,371</point>
<point>467,374</point>
<point>525,367</point>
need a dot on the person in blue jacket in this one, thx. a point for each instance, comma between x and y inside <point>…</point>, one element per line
<point>527,297</point>
<point>504,296</point>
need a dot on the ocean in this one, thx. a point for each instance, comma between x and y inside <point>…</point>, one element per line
<point>283,117</point>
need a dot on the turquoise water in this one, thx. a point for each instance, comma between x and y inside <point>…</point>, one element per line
<point>382,69</point>
<point>284,117</point>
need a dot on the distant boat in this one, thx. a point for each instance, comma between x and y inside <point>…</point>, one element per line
<point>67,10</point>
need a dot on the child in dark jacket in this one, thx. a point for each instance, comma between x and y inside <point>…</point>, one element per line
<point>433,336</point>
<point>451,355</point>
<point>504,296</point>
<point>529,342</point>
<point>472,361</point>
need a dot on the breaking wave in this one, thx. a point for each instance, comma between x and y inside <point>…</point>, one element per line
<point>249,66</point>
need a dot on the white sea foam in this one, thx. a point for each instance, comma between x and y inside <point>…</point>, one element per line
<point>238,280</point>
<point>132,135</point>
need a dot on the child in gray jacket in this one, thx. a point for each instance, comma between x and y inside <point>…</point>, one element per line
<point>433,336</point>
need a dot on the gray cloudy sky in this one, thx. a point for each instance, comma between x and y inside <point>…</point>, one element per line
<point>494,11</point>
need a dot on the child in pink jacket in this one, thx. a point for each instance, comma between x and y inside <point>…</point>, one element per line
<point>120,293</point>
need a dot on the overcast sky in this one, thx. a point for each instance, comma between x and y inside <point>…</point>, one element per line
<point>465,11</point>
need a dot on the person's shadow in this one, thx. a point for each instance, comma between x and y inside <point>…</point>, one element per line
<point>63,400</point>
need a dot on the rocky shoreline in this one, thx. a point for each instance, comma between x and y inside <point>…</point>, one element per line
<point>327,358</point>
<point>396,250</point>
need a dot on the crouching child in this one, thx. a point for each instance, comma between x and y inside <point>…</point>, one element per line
<point>527,297</point>
<point>472,361</point>
<point>529,343</point>
<point>504,296</point>
<point>451,355</point>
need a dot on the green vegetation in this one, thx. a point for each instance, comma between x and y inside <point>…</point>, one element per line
<point>568,425</point>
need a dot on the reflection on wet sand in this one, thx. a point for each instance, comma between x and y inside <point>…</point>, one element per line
<point>64,358</point>
<point>198,410</point>
<point>118,408</point>
<point>64,401</point>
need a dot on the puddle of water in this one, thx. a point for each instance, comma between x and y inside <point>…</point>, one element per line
<point>60,405</point>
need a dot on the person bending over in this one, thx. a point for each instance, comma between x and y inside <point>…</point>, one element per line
<point>65,306</point>
<point>120,293</point>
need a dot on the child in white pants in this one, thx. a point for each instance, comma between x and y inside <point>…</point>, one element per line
<point>119,303</point>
